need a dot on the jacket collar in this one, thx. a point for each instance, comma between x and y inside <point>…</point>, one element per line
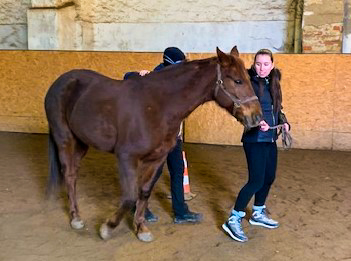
<point>254,76</point>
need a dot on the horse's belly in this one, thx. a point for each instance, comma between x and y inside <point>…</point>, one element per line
<point>95,132</point>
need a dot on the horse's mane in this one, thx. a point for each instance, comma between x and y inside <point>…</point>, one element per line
<point>186,65</point>
<point>181,72</point>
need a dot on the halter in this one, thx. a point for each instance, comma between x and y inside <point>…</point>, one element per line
<point>236,101</point>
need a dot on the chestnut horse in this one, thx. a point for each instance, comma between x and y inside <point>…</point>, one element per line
<point>138,120</point>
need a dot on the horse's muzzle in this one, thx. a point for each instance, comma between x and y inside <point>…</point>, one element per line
<point>252,121</point>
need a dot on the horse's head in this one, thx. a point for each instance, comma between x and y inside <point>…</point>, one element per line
<point>234,91</point>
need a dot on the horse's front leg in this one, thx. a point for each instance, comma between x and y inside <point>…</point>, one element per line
<point>146,182</point>
<point>142,232</point>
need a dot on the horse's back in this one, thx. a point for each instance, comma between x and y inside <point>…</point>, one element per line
<point>72,83</point>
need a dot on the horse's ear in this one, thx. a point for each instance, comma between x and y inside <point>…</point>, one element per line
<point>234,51</point>
<point>223,59</point>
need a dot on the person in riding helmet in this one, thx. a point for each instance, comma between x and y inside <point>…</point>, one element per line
<point>175,163</point>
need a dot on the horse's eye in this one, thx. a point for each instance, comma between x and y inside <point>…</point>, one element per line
<point>238,81</point>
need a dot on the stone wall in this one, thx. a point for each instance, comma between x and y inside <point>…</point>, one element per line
<point>194,26</point>
<point>13,24</point>
<point>316,94</point>
<point>322,26</point>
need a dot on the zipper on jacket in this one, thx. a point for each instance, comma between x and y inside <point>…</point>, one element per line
<point>273,123</point>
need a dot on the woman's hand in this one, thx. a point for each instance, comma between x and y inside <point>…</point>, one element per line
<point>286,127</point>
<point>264,126</point>
<point>144,72</point>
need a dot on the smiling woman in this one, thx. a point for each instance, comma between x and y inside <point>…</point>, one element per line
<point>260,148</point>
<point>263,63</point>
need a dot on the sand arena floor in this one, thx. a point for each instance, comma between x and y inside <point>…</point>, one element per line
<point>311,198</point>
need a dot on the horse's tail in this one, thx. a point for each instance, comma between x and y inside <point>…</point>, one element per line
<point>55,174</point>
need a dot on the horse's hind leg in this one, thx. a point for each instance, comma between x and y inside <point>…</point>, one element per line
<point>71,151</point>
<point>128,181</point>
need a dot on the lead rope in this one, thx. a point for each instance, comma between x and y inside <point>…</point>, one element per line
<point>286,137</point>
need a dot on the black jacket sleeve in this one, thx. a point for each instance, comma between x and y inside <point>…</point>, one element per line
<point>282,118</point>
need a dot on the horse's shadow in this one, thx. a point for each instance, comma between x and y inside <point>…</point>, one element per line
<point>217,172</point>
<point>97,182</point>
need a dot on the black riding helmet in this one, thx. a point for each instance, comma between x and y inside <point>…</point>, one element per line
<point>172,55</point>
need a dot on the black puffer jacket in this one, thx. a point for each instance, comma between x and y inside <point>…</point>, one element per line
<point>271,117</point>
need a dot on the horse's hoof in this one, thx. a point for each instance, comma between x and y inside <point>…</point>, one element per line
<point>105,232</point>
<point>77,223</point>
<point>145,236</point>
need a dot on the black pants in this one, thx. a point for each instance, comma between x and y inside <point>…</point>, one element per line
<point>176,170</point>
<point>262,164</point>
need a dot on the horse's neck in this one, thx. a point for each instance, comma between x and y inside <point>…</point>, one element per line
<point>197,88</point>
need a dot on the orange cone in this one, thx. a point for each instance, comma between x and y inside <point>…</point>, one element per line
<point>186,183</point>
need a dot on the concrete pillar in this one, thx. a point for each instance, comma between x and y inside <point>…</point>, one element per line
<point>13,24</point>
<point>52,26</point>
<point>346,37</point>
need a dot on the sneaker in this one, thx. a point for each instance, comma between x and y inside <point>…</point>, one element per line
<point>189,217</point>
<point>148,215</point>
<point>234,229</point>
<point>260,218</point>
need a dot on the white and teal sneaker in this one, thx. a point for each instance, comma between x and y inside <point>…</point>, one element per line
<point>260,218</point>
<point>233,227</point>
